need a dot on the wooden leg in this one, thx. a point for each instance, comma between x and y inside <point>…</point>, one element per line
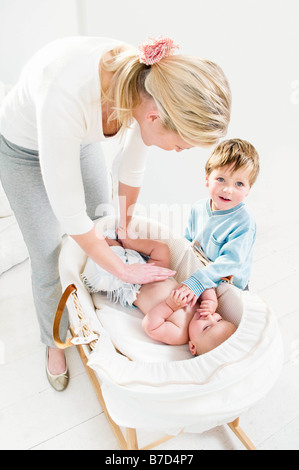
<point>234,426</point>
<point>131,435</point>
<point>115,428</point>
<point>158,442</point>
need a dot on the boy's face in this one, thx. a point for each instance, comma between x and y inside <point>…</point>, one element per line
<point>207,332</point>
<point>227,188</point>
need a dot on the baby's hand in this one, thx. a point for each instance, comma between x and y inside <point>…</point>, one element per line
<point>207,307</point>
<point>176,300</point>
<point>188,293</point>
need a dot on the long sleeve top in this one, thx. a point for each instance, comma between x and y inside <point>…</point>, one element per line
<point>54,108</point>
<point>226,238</point>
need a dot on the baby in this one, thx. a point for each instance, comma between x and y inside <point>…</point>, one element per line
<point>168,316</point>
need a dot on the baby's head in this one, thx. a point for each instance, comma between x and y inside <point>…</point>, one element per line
<point>208,332</point>
<point>230,172</point>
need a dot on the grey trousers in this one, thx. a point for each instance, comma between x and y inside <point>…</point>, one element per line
<point>22,181</point>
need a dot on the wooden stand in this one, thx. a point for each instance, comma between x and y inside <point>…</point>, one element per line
<point>241,434</point>
<point>130,442</point>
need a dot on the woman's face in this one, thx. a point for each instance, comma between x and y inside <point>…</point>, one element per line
<point>152,130</point>
<point>153,133</point>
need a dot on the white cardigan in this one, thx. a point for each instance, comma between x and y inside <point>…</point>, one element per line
<point>54,108</point>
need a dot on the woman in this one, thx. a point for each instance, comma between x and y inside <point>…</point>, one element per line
<point>71,96</point>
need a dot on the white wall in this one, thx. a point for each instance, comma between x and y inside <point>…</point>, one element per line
<point>27,25</point>
<point>255,41</point>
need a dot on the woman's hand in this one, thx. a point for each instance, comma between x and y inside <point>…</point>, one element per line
<point>99,251</point>
<point>126,237</point>
<point>124,234</point>
<point>145,273</point>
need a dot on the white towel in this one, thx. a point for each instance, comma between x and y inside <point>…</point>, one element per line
<point>98,279</point>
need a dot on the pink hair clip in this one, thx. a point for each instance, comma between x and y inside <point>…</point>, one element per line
<point>153,50</point>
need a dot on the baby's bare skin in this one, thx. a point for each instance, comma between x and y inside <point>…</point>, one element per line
<point>154,293</point>
<point>168,311</point>
<point>151,295</point>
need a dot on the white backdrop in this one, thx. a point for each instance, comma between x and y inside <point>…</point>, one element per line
<point>256,42</point>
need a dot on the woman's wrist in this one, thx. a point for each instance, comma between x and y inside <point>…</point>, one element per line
<point>120,272</point>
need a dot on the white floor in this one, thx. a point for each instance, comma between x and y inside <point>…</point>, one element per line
<point>33,416</point>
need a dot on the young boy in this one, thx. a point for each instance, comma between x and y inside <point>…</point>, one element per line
<point>168,317</point>
<point>221,227</point>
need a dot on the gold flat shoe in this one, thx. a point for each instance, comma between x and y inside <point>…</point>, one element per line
<point>58,382</point>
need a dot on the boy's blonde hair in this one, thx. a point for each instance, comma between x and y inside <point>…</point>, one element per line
<point>192,95</point>
<point>238,153</point>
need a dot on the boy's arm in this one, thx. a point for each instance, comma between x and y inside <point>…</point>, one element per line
<point>233,256</point>
<point>157,323</point>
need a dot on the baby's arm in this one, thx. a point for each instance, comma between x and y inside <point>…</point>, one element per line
<point>208,302</point>
<point>158,323</point>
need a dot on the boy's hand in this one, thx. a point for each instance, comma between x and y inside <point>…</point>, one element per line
<point>188,293</point>
<point>176,300</point>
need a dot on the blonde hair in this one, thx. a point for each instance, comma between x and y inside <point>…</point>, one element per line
<point>238,153</point>
<point>192,94</point>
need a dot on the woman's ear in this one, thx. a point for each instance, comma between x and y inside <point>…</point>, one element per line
<point>152,115</point>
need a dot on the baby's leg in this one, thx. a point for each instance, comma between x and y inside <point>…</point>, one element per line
<point>112,242</point>
<point>160,254</point>
<point>157,251</point>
